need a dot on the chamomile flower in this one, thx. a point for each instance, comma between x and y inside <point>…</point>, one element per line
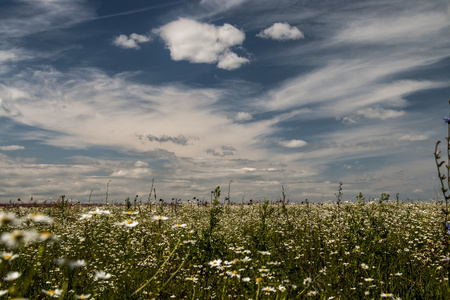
<point>8,256</point>
<point>8,219</point>
<point>82,296</point>
<point>3,292</point>
<point>17,237</point>
<point>10,276</point>
<point>307,281</point>
<point>77,263</point>
<point>215,263</point>
<point>53,293</point>
<point>128,223</point>
<point>233,274</point>
<point>130,212</point>
<point>364,266</point>
<point>85,216</point>
<point>47,237</point>
<point>99,212</point>
<point>39,218</point>
<point>160,218</point>
<point>246,259</point>
<point>192,278</point>
<point>179,226</point>
<point>386,295</point>
<point>268,289</point>
<point>282,288</point>
<point>102,275</point>
<point>312,293</point>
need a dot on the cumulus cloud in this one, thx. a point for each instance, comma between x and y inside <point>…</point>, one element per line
<point>11,148</point>
<point>293,143</point>
<point>203,43</point>
<point>281,32</point>
<point>130,42</point>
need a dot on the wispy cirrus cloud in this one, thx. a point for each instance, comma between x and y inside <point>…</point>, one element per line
<point>11,148</point>
<point>94,110</point>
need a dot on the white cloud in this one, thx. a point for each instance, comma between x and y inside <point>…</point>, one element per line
<point>11,148</point>
<point>221,5</point>
<point>131,42</point>
<point>36,16</point>
<point>379,113</point>
<point>231,61</point>
<point>281,32</point>
<point>203,43</point>
<point>413,138</point>
<point>7,55</point>
<point>133,173</point>
<point>241,117</point>
<point>394,29</point>
<point>95,110</point>
<point>293,143</point>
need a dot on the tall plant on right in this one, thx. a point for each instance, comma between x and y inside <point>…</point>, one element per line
<point>443,168</point>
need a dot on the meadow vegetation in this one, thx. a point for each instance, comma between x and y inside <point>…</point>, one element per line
<point>360,250</point>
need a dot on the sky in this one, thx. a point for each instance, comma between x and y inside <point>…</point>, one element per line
<point>100,98</point>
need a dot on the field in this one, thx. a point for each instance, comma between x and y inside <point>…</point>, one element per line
<point>365,250</point>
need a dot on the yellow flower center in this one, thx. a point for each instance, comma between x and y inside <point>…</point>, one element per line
<point>7,256</point>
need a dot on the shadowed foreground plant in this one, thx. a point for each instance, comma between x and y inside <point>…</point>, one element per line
<point>443,178</point>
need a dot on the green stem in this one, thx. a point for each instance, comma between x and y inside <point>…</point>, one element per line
<point>174,273</point>
<point>160,268</point>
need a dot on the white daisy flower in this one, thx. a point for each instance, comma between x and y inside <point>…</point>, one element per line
<point>215,263</point>
<point>40,218</point>
<point>102,275</point>
<point>8,256</point>
<point>12,276</point>
<point>128,223</point>
<point>56,293</point>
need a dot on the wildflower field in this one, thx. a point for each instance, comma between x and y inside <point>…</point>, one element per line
<point>365,250</point>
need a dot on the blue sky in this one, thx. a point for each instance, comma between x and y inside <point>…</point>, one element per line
<point>193,94</point>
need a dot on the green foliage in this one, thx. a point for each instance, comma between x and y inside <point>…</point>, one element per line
<point>128,203</point>
<point>339,194</point>
<point>335,251</point>
<point>384,197</point>
<point>216,195</point>
<point>360,198</point>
